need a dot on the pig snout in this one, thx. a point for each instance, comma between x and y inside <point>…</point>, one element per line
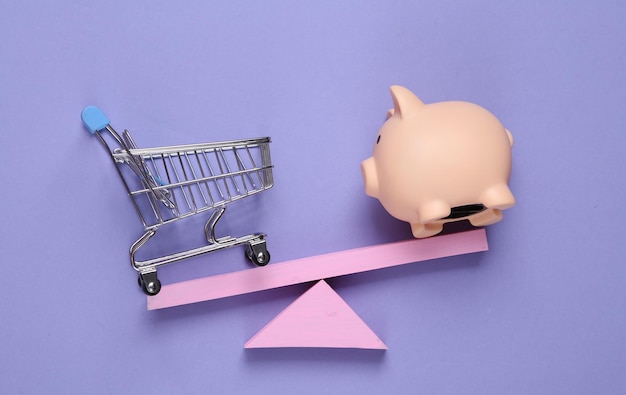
<point>370,177</point>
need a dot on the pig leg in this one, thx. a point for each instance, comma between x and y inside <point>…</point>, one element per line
<point>498,196</point>
<point>421,231</point>
<point>486,217</point>
<point>432,211</point>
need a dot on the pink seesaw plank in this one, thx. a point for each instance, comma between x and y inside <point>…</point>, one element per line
<point>318,318</point>
<point>318,267</point>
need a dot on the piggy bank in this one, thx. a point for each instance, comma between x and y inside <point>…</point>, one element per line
<point>441,162</point>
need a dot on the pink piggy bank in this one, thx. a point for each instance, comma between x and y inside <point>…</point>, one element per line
<point>440,162</point>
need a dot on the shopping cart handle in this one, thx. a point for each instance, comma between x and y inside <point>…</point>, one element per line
<point>94,119</point>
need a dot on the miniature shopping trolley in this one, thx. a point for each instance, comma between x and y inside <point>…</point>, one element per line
<point>167,184</point>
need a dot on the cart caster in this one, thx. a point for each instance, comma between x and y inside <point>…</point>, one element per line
<point>149,283</point>
<point>257,253</point>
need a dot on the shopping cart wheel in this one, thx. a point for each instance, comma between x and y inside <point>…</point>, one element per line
<point>149,283</point>
<point>257,253</point>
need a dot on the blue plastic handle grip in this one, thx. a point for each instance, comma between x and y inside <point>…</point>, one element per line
<point>94,119</point>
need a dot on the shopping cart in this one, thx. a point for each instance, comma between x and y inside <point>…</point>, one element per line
<point>167,184</point>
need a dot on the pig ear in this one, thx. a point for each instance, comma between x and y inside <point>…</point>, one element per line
<point>404,101</point>
<point>510,136</point>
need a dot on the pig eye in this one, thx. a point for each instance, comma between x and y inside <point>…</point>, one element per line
<point>378,139</point>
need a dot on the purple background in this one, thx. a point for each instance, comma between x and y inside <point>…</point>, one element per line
<point>543,312</point>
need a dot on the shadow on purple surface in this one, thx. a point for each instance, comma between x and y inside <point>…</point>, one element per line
<point>289,355</point>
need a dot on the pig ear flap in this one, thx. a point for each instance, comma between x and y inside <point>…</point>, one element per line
<point>510,136</point>
<point>404,101</point>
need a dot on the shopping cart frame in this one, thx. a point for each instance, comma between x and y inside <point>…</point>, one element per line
<point>167,184</point>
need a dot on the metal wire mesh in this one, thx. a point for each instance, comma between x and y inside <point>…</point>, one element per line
<point>171,183</point>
